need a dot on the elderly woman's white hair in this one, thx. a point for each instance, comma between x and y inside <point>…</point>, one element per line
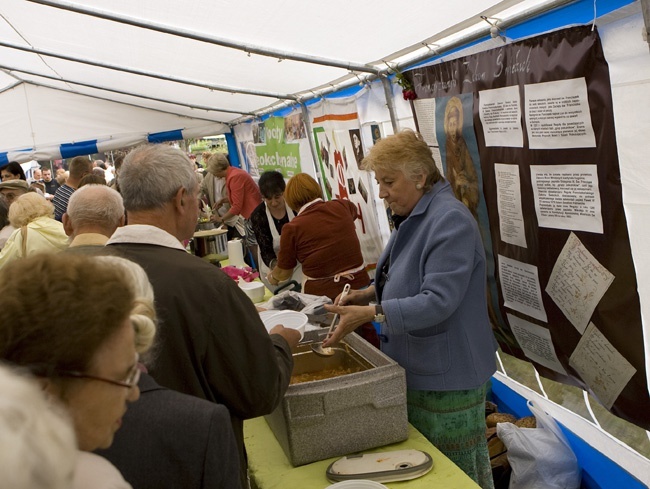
<point>28,207</point>
<point>38,447</point>
<point>143,314</point>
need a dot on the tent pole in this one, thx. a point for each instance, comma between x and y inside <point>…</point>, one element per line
<point>401,61</point>
<point>121,92</point>
<point>184,81</point>
<point>131,104</point>
<point>310,138</point>
<point>9,87</point>
<point>388,93</point>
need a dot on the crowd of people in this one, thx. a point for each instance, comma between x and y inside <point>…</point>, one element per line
<point>148,359</point>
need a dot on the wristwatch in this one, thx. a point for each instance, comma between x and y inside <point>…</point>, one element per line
<point>380,317</point>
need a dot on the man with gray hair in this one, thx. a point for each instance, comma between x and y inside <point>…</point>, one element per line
<point>212,342</point>
<point>94,213</point>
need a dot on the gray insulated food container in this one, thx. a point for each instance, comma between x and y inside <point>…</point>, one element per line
<point>352,401</point>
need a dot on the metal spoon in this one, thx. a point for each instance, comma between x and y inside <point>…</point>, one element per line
<point>328,352</point>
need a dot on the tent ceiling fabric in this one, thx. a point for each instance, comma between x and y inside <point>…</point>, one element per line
<point>360,33</point>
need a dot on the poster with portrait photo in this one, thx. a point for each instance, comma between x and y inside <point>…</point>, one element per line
<point>325,155</point>
<point>357,146</point>
<point>294,128</point>
<point>375,132</point>
<point>259,133</point>
<point>362,190</point>
<point>351,188</point>
<point>323,149</point>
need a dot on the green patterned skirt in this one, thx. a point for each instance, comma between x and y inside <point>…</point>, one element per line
<point>454,421</point>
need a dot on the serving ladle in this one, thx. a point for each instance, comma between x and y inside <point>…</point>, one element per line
<point>318,348</point>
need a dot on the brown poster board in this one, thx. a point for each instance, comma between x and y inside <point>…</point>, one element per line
<point>526,137</point>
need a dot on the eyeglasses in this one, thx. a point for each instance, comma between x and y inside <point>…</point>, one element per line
<point>130,381</point>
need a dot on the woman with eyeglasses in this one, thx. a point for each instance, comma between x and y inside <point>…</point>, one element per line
<point>66,319</point>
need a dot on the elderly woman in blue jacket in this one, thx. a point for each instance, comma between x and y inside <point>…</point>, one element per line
<point>430,294</point>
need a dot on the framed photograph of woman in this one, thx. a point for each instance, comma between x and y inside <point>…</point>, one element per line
<point>375,131</point>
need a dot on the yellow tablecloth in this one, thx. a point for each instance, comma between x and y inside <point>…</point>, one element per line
<point>269,467</point>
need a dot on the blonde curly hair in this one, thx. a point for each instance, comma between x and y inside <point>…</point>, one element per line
<point>406,152</point>
<point>28,207</point>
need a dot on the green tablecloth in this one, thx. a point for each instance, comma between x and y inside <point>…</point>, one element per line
<point>269,467</point>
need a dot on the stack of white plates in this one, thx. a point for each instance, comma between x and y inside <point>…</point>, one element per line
<point>288,319</point>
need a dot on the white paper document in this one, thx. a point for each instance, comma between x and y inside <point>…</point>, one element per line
<point>601,366</point>
<point>557,115</point>
<point>425,112</point>
<point>511,219</point>
<point>567,197</point>
<point>578,282</point>
<point>520,287</point>
<point>437,157</point>
<point>536,343</point>
<point>500,113</point>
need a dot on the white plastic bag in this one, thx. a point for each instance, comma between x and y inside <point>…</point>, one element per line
<point>541,457</point>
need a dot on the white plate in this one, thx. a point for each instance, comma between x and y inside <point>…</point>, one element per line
<point>289,319</point>
<point>360,484</point>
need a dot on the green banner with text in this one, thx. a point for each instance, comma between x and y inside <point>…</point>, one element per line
<point>273,152</point>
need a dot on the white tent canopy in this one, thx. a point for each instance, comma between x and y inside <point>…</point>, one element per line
<point>117,70</point>
<point>109,74</point>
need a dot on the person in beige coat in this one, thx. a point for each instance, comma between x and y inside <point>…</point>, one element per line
<point>36,230</point>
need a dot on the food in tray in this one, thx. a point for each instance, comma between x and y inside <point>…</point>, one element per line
<point>325,374</point>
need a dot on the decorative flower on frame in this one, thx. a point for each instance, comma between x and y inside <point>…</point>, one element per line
<point>408,92</point>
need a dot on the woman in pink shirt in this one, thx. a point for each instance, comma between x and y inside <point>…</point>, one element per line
<point>243,195</point>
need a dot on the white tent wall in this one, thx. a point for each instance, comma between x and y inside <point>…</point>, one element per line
<point>372,108</point>
<point>629,62</point>
<point>54,116</point>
